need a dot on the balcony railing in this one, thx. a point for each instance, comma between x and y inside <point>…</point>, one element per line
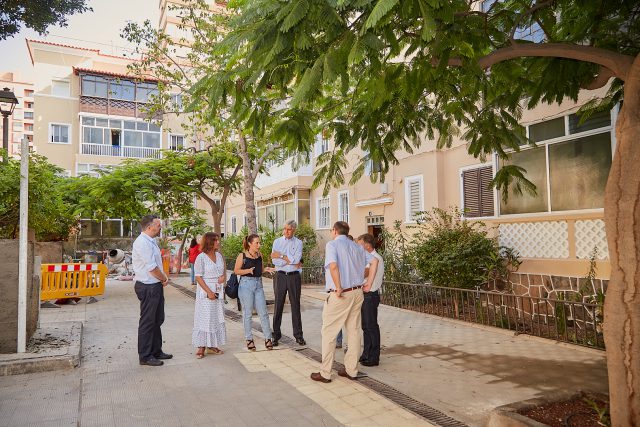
<point>120,151</point>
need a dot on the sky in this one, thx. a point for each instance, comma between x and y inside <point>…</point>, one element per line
<point>99,29</point>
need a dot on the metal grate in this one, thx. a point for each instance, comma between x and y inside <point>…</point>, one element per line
<point>428,413</point>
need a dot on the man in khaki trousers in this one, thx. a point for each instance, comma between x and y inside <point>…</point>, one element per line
<point>345,263</point>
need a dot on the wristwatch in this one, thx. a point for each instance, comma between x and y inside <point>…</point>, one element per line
<point>282,256</point>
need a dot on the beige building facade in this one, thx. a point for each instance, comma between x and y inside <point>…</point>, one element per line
<point>22,120</point>
<point>554,232</point>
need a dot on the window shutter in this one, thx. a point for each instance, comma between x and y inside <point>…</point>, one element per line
<point>414,198</point>
<point>478,196</point>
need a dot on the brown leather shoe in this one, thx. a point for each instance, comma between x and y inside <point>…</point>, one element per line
<point>317,377</point>
<point>343,373</point>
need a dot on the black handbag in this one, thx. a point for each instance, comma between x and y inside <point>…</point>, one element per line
<point>231,290</point>
<point>232,286</point>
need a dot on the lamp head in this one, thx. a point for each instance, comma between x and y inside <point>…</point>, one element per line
<point>8,101</point>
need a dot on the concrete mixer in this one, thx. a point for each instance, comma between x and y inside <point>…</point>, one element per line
<point>119,262</point>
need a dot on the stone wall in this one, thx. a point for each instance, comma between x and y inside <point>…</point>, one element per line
<point>9,291</point>
<point>49,252</point>
<point>554,287</point>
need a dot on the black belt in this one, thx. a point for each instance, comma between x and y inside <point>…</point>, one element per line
<point>346,289</point>
<point>287,273</point>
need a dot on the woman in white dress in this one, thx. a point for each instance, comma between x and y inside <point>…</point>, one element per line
<point>208,321</point>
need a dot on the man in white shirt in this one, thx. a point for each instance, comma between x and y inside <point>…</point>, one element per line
<point>149,287</point>
<point>370,328</point>
<point>286,255</point>
<point>345,263</point>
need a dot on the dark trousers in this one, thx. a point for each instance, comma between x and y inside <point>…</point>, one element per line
<point>370,328</point>
<point>151,318</point>
<point>291,283</point>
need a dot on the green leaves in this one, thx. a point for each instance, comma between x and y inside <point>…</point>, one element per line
<point>379,11</point>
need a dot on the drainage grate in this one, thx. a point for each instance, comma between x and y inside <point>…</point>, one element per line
<point>427,412</point>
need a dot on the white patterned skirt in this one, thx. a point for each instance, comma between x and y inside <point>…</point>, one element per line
<point>208,323</point>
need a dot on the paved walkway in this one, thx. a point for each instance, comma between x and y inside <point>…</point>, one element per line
<point>238,388</point>
<point>458,369</point>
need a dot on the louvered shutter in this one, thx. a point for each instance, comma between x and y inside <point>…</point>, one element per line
<point>478,196</point>
<point>414,198</point>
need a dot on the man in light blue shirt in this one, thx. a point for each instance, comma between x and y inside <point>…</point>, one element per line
<point>286,256</point>
<point>149,287</point>
<point>345,264</point>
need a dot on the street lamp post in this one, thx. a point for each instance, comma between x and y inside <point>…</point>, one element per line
<point>8,102</point>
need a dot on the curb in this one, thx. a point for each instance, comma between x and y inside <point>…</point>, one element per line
<point>508,416</point>
<point>33,362</point>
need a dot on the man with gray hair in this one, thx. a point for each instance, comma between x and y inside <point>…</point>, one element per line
<point>149,287</point>
<point>286,256</point>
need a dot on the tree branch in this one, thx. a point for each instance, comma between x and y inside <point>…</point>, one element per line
<point>601,79</point>
<point>528,12</point>
<point>619,64</point>
<point>261,160</point>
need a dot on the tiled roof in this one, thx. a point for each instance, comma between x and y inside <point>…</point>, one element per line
<point>111,73</point>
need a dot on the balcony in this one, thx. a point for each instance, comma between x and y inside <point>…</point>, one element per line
<point>120,151</point>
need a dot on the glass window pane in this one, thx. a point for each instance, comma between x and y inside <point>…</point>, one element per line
<point>534,162</point>
<point>279,216</point>
<point>132,139</point>
<point>153,127</point>
<point>111,228</point>
<point>290,211</point>
<point>90,121</point>
<point>142,126</point>
<point>596,121</point>
<point>547,130</point>
<point>102,122</point>
<point>304,212</point>
<point>122,89</point>
<point>115,124</point>
<point>89,228</point>
<point>129,125</point>
<point>151,140</point>
<point>578,171</point>
<point>262,217</point>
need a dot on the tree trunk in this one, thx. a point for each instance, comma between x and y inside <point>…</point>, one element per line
<point>622,219</point>
<point>181,250</point>
<point>248,183</point>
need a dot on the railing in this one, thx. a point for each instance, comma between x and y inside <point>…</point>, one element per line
<point>120,151</point>
<point>562,320</point>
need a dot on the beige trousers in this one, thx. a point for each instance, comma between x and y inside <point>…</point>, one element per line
<point>339,312</point>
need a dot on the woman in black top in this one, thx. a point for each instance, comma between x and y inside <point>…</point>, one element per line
<point>249,268</point>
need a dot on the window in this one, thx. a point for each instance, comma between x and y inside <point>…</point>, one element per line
<point>414,197</point>
<point>145,90</point>
<point>28,127</point>
<point>118,133</point>
<point>122,89</point>
<point>28,105</point>
<point>477,195</point>
<point>17,126</point>
<point>372,167</point>
<point>176,102</point>
<point>59,133</point>
<point>570,171</point>
<point>176,142</point>
<point>343,206</point>
<point>28,115</point>
<point>234,225</point>
<point>95,86</point>
<point>28,92</point>
<point>60,88</point>
<point>324,213</point>
<point>87,169</point>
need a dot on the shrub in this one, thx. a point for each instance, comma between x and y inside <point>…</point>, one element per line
<point>451,251</point>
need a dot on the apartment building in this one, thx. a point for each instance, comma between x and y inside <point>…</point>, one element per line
<point>91,115</point>
<point>22,120</point>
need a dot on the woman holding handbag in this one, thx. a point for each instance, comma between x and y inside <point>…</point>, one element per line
<point>208,321</point>
<point>249,268</point>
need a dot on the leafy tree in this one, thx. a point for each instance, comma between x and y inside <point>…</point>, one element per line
<point>51,215</point>
<point>36,14</point>
<point>222,102</point>
<point>385,72</point>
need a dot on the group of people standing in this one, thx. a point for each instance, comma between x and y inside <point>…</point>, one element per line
<point>353,272</point>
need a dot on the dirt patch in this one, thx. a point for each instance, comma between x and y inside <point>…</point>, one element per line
<point>39,344</point>
<point>585,410</point>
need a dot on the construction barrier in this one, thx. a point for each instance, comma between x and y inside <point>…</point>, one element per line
<point>71,280</point>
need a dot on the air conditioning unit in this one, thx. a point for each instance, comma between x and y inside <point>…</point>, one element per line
<point>384,188</point>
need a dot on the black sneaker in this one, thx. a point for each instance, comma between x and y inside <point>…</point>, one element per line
<point>151,361</point>
<point>369,363</point>
<point>301,341</point>
<point>275,342</point>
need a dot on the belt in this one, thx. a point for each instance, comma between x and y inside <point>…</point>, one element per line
<point>288,273</point>
<point>347,289</point>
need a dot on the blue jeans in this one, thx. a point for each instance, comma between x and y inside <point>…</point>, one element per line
<point>193,273</point>
<point>251,295</point>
